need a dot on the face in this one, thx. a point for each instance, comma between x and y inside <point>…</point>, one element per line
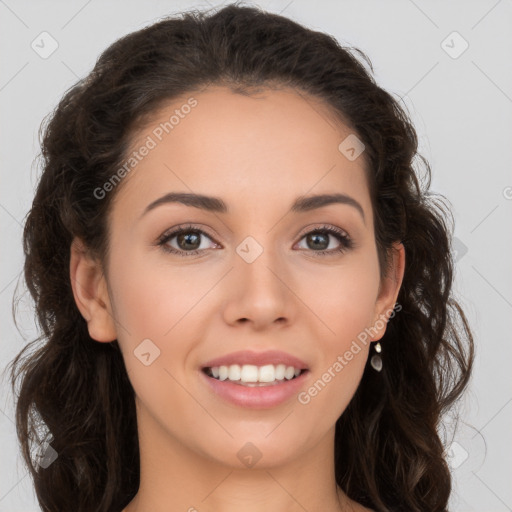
<point>256,275</point>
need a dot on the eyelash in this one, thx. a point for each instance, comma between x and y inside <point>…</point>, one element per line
<point>346,243</point>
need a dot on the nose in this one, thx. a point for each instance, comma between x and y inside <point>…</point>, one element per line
<point>258,292</point>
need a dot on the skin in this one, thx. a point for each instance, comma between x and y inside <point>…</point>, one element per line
<point>258,153</point>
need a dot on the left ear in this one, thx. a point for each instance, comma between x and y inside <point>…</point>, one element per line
<point>389,288</point>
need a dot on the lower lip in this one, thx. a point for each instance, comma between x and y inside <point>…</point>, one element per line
<point>258,397</point>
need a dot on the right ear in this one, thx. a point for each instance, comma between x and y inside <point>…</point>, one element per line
<point>90,292</point>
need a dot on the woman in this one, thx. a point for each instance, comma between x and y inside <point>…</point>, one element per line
<point>244,292</point>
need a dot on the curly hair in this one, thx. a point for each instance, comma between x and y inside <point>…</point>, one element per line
<point>76,393</point>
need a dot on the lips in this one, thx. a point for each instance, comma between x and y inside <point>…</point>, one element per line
<point>259,396</point>
<point>242,357</point>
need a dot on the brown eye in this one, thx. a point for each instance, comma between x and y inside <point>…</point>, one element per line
<point>188,241</point>
<point>318,240</point>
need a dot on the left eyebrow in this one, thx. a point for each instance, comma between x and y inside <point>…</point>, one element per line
<point>307,203</point>
<point>217,205</point>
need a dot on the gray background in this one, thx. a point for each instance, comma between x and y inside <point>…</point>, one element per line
<point>461,104</point>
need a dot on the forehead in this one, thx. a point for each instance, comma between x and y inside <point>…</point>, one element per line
<point>268,145</point>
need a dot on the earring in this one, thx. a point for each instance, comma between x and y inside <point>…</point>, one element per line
<point>376,360</point>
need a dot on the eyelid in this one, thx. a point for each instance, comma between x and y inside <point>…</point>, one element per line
<point>319,226</point>
<point>316,226</point>
<point>170,233</point>
<point>344,238</point>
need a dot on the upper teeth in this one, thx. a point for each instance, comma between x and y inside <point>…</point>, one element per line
<point>252,373</point>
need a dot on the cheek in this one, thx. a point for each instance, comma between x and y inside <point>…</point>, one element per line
<point>151,299</point>
<point>154,308</point>
<point>345,299</point>
<point>163,304</point>
<point>346,305</point>
<point>347,310</point>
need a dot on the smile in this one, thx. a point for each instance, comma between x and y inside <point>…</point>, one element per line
<point>248,374</point>
<point>253,393</point>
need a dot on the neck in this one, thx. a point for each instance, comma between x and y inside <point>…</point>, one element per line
<point>174,476</point>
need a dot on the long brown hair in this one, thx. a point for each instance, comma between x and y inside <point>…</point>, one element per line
<point>75,394</point>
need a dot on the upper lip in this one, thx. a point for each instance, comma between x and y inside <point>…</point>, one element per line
<point>257,358</point>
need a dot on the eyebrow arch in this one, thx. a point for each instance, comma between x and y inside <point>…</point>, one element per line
<point>217,205</point>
